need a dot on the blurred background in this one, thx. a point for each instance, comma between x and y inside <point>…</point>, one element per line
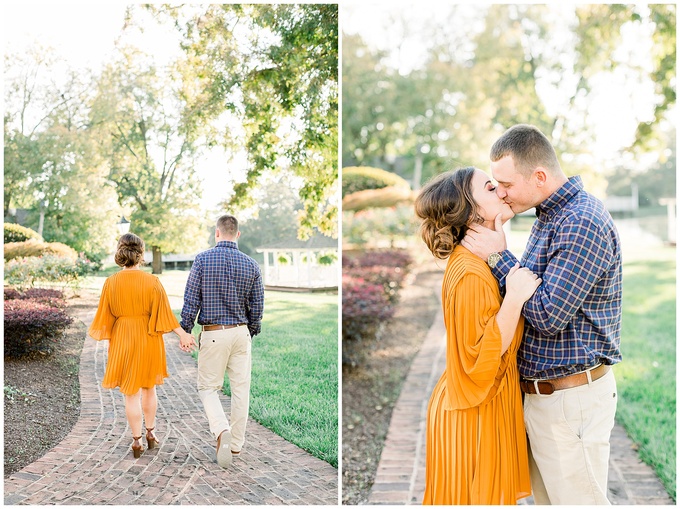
<point>429,88</point>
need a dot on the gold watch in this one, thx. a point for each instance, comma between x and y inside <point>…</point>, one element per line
<point>493,259</point>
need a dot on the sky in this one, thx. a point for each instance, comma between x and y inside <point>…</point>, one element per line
<point>84,35</point>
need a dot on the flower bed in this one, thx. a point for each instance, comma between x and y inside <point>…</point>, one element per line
<point>370,289</point>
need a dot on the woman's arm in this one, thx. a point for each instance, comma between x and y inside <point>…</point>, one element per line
<point>521,284</point>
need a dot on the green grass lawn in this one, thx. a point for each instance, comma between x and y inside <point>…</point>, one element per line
<point>294,388</point>
<point>647,376</point>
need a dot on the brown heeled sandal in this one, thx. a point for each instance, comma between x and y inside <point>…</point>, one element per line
<point>137,447</point>
<point>151,439</point>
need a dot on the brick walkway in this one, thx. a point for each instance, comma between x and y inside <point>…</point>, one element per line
<point>94,465</point>
<point>400,478</point>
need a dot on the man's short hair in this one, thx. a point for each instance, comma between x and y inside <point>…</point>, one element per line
<point>528,147</point>
<point>227,225</point>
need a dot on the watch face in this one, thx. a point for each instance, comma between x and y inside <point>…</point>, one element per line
<point>493,259</point>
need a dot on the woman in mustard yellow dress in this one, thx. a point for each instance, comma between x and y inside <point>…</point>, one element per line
<point>476,442</point>
<point>133,314</point>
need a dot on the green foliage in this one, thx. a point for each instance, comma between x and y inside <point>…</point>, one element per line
<point>34,247</point>
<point>327,258</point>
<point>52,166</point>
<point>286,77</point>
<point>145,131</point>
<point>356,179</point>
<point>654,183</point>
<point>18,233</point>
<point>26,272</point>
<point>278,206</point>
<point>374,227</point>
<point>484,70</point>
<point>599,37</point>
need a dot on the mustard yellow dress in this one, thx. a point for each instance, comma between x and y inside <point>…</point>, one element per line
<point>476,441</point>
<point>133,313</point>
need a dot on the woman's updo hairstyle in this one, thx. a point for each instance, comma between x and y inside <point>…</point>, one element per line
<point>447,208</point>
<point>130,251</point>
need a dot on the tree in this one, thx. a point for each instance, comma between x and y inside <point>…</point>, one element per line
<point>51,165</point>
<point>273,68</point>
<point>149,144</point>
<point>276,216</point>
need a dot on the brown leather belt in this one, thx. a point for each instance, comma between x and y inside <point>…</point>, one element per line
<point>565,382</point>
<point>221,327</point>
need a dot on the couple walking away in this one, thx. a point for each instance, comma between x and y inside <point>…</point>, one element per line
<point>528,398</point>
<point>225,290</point>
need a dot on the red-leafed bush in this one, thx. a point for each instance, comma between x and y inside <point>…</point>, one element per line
<point>391,258</point>
<point>47,296</point>
<point>365,307</point>
<point>370,289</point>
<point>12,293</point>
<point>390,279</point>
<point>32,326</point>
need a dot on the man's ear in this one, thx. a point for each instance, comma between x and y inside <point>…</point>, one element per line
<point>238,234</point>
<point>540,176</point>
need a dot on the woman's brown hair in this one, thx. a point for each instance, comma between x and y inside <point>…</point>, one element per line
<point>130,251</point>
<point>447,208</point>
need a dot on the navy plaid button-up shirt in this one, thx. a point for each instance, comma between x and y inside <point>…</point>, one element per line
<point>224,288</point>
<point>573,321</point>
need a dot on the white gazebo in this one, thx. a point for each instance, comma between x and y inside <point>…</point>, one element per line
<point>302,264</point>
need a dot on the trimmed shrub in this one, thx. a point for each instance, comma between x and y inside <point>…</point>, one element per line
<point>370,289</point>
<point>32,327</point>
<point>390,258</point>
<point>365,307</point>
<point>34,247</point>
<point>48,296</point>
<point>391,279</point>
<point>360,178</point>
<point>377,198</point>
<point>25,272</point>
<point>18,233</point>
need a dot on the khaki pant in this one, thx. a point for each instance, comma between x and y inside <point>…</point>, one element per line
<point>221,351</point>
<point>568,435</point>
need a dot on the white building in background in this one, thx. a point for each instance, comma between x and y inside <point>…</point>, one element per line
<point>308,264</point>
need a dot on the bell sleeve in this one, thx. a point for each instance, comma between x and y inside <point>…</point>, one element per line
<point>473,342</point>
<point>102,324</point>
<point>162,319</point>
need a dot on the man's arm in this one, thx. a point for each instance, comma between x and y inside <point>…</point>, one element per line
<point>255,305</point>
<point>580,254</point>
<point>192,296</point>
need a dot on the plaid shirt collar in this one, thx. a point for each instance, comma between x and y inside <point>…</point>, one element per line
<point>227,244</point>
<point>547,209</point>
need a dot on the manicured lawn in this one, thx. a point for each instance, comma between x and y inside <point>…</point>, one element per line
<point>647,376</point>
<point>294,388</point>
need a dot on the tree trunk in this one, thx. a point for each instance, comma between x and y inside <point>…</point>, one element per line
<point>157,262</point>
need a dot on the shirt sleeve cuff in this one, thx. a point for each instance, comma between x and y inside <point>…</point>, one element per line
<point>502,268</point>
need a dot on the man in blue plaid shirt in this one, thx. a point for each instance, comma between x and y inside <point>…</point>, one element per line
<point>225,290</point>
<point>572,322</point>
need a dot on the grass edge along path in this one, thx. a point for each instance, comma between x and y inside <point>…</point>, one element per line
<point>294,387</point>
<point>646,378</point>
